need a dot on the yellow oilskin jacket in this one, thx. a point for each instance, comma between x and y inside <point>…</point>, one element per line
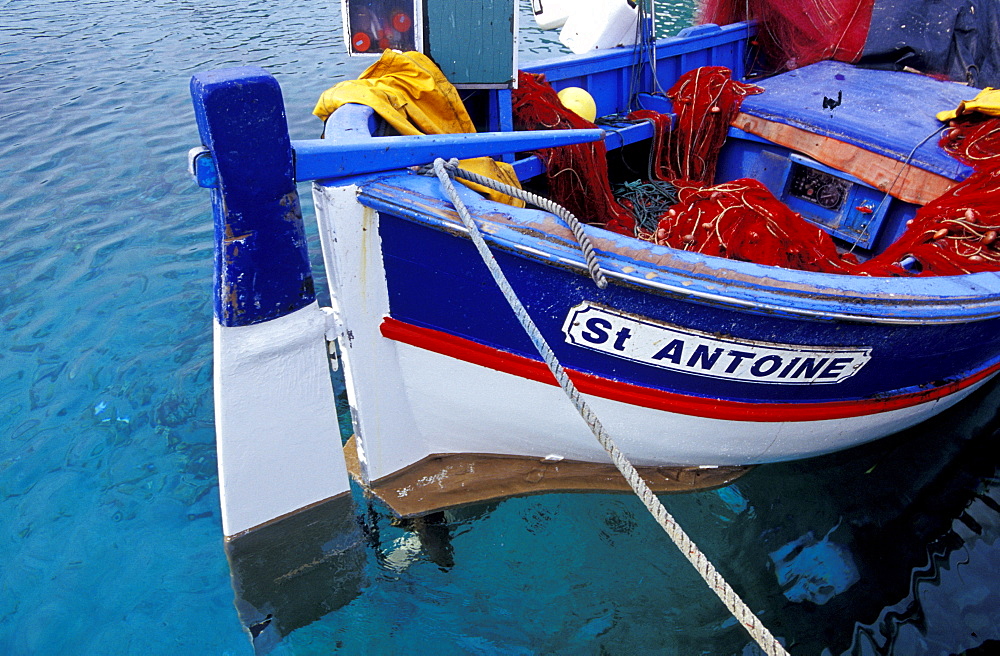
<point>986,102</point>
<point>412,95</point>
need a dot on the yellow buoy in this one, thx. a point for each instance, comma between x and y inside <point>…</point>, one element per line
<point>579,101</point>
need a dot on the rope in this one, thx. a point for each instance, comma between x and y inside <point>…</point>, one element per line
<point>688,548</point>
<point>649,201</point>
<point>586,246</point>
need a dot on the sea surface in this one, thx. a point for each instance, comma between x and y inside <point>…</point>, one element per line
<point>109,511</point>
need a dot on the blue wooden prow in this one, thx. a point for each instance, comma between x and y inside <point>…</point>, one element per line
<point>262,267</point>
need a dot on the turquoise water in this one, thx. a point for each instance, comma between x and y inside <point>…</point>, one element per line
<point>108,490</point>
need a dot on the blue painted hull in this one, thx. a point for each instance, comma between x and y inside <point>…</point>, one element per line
<point>923,339</point>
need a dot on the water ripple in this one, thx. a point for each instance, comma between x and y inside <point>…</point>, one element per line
<point>108,491</point>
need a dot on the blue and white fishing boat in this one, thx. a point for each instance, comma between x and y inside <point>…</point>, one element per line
<point>698,365</point>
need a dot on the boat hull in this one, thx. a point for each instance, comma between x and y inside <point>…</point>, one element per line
<point>704,378</point>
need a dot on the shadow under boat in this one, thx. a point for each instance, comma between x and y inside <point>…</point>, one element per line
<point>893,512</point>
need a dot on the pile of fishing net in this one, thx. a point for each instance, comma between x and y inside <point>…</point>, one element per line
<point>705,102</point>
<point>957,232</point>
<point>954,234</point>
<point>742,219</point>
<point>739,220</point>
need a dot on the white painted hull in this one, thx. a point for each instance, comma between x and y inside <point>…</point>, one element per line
<point>275,420</point>
<point>513,415</point>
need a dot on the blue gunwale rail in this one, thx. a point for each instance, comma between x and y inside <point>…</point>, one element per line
<point>349,155</point>
<point>660,269</point>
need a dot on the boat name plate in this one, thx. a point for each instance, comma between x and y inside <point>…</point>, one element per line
<point>714,355</point>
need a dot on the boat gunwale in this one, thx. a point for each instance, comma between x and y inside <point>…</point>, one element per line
<point>540,236</point>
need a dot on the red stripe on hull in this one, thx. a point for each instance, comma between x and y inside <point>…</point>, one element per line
<point>468,351</point>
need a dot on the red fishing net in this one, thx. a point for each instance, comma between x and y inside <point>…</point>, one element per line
<point>577,175</point>
<point>954,234</point>
<point>793,33</point>
<point>739,220</point>
<point>742,220</point>
<point>705,100</point>
<point>957,232</point>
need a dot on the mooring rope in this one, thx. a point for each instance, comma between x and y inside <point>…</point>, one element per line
<point>688,548</point>
<point>586,246</point>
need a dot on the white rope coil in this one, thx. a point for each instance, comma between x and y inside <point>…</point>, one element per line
<point>688,548</point>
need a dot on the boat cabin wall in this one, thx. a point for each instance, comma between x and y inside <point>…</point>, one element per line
<point>854,150</point>
<point>860,217</point>
<point>610,75</point>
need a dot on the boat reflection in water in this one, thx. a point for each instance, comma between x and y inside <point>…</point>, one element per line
<point>294,571</point>
<point>888,548</point>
